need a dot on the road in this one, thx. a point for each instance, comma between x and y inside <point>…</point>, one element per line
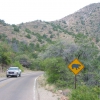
<point>21,88</point>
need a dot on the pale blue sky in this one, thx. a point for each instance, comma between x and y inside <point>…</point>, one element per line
<point>18,11</point>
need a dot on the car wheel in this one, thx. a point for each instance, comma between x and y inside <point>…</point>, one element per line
<point>20,75</point>
<point>17,75</point>
<point>7,76</point>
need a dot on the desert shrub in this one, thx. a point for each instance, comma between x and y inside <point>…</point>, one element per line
<point>28,36</point>
<point>34,55</point>
<point>16,29</point>
<point>85,93</point>
<point>17,64</point>
<point>35,65</point>
<point>3,37</point>
<point>39,39</point>
<point>3,22</point>
<point>56,71</point>
<point>27,30</point>
<point>51,36</point>
<point>44,36</point>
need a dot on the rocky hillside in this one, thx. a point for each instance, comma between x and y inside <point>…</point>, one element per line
<point>86,21</point>
<point>36,31</point>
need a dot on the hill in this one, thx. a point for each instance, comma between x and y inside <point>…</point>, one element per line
<point>36,31</point>
<point>85,20</point>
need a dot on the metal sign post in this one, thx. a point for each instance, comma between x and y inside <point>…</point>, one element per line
<point>75,81</point>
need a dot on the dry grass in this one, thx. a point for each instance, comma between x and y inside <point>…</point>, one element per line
<point>27,70</point>
<point>2,74</point>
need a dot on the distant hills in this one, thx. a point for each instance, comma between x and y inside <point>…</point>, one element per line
<point>85,21</point>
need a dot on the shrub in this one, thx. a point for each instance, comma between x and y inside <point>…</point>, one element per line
<point>16,29</point>
<point>44,36</point>
<point>28,36</point>
<point>3,22</point>
<point>85,93</point>
<point>3,37</point>
<point>17,64</point>
<point>56,71</point>
<point>35,65</point>
<point>27,30</point>
<point>51,36</point>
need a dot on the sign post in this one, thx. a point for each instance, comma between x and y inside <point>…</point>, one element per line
<point>75,66</point>
<point>75,81</point>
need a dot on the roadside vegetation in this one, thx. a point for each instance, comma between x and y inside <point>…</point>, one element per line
<point>56,58</point>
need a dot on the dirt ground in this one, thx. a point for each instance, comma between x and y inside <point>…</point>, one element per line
<point>47,95</point>
<point>48,92</point>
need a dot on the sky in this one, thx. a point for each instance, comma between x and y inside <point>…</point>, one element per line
<point>22,11</point>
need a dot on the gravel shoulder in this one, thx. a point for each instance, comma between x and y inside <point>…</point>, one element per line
<point>48,92</point>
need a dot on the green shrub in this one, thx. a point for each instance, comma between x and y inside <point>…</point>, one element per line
<point>56,71</point>
<point>27,30</point>
<point>28,36</point>
<point>16,29</point>
<point>51,36</point>
<point>34,55</point>
<point>5,59</point>
<point>2,22</point>
<point>85,93</point>
<point>35,65</point>
<point>17,64</point>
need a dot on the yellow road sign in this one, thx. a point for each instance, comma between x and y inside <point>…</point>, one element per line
<point>75,66</point>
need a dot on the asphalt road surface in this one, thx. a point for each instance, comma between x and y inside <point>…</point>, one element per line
<point>21,88</point>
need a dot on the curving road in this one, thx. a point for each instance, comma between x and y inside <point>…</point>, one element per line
<point>21,88</point>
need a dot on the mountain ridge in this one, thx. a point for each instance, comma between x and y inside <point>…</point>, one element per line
<point>86,20</point>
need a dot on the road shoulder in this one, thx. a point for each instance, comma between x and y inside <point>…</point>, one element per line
<point>48,92</point>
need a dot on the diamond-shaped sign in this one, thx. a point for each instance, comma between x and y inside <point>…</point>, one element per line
<point>75,66</point>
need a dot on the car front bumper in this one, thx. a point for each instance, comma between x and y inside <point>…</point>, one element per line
<point>11,74</point>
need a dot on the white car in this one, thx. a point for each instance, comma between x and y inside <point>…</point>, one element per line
<point>13,71</point>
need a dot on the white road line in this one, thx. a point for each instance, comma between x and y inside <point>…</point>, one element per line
<point>34,89</point>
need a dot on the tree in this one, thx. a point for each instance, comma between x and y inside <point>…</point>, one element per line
<point>5,54</point>
<point>56,71</point>
<point>5,59</point>
<point>16,28</point>
<point>17,63</point>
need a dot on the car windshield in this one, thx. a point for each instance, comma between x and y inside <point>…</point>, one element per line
<point>13,68</point>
